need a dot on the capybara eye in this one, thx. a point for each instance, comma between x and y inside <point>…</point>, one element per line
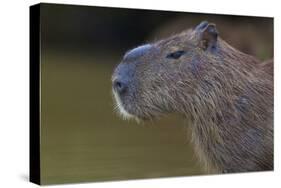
<point>175,55</point>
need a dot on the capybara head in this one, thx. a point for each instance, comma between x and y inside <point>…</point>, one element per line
<point>162,77</point>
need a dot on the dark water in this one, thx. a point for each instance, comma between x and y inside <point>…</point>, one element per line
<point>83,139</point>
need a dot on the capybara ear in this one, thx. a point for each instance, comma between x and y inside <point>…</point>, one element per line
<point>201,26</point>
<point>208,35</point>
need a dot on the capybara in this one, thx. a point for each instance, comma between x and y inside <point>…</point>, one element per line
<point>226,96</point>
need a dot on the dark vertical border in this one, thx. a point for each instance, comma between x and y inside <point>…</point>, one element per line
<point>34,80</point>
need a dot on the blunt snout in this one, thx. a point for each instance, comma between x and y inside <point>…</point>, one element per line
<point>122,78</point>
<point>124,73</point>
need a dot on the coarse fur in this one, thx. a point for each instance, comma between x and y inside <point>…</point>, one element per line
<point>225,94</point>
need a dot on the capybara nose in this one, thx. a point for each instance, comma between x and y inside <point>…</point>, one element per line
<point>119,86</point>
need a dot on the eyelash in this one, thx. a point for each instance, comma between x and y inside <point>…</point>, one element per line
<point>175,55</point>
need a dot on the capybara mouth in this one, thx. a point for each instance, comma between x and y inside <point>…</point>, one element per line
<point>126,109</point>
<point>120,107</point>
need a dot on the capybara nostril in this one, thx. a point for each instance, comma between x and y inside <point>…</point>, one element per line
<point>119,86</point>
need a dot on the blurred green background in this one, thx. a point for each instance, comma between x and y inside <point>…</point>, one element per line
<point>82,138</point>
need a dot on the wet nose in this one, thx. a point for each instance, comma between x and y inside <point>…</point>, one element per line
<point>119,86</point>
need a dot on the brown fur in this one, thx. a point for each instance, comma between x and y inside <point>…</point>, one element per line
<point>267,66</point>
<point>225,94</point>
